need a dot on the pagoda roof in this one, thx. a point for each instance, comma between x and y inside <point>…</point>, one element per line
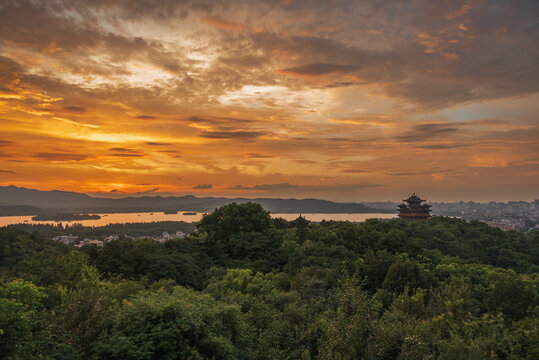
<point>414,198</point>
<point>300,219</point>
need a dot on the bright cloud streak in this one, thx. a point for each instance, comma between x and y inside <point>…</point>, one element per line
<point>347,101</point>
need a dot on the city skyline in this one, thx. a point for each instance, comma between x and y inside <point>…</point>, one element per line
<point>340,100</point>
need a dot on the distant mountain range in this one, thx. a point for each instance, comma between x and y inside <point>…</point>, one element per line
<point>22,201</point>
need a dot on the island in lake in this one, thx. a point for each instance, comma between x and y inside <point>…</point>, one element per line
<point>65,217</point>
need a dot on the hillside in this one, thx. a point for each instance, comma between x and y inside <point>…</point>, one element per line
<point>12,197</point>
<point>244,286</point>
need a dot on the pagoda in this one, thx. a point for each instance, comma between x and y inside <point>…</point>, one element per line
<point>300,222</point>
<point>414,209</point>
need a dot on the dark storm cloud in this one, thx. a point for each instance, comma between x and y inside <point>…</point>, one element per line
<point>144,9</point>
<point>442,146</point>
<point>432,92</point>
<point>9,72</point>
<point>125,152</point>
<point>7,171</point>
<point>203,186</point>
<point>258,156</point>
<point>353,171</point>
<point>220,121</point>
<point>127,155</point>
<point>78,109</point>
<point>320,69</point>
<point>52,28</point>
<point>340,84</point>
<point>121,149</point>
<point>199,119</point>
<point>280,186</point>
<point>60,156</point>
<point>407,173</point>
<point>43,25</point>
<point>9,69</point>
<point>434,62</point>
<point>155,189</point>
<point>435,54</point>
<point>331,55</point>
<point>297,187</point>
<point>244,61</point>
<point>227,128</point>
<point>231,134</point>
<point>424,132</point>
<point>349,140</point>
<point>299,81</point>
<point>152,143</point>
<point>172,154</point>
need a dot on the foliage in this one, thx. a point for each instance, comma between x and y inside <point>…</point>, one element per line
<point>353,329</point>
<point>244,286</point>
<point>136,259</point>
<point>19,302</point>
<point>155,228</point>
<point>176,324</point>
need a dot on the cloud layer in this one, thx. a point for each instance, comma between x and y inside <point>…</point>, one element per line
<point>345,100</point>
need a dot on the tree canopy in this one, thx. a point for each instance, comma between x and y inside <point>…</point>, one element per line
<point>244,286</point>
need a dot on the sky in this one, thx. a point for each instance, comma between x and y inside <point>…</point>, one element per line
<point>340,100</point>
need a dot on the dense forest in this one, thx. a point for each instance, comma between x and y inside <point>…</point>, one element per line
<point>128,229</point>
<point>245,286</point>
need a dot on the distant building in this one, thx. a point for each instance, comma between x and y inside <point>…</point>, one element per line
<point>165,236</point>
<point>299,222</point>
<point>97,243</point>
<point>502,224</point>
<point>111,238</point>
<point>66,239</point>
<point>414,209</point>
<point>88,241</point>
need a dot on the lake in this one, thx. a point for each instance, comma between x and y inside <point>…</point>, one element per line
<point>121,218</point>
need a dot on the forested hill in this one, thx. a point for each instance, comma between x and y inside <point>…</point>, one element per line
<point>21,201</point>
<point>245,286</point>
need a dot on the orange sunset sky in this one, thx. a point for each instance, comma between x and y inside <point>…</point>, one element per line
<point>341,100</point>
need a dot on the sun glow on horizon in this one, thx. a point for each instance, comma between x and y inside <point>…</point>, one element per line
<point>297,99</point>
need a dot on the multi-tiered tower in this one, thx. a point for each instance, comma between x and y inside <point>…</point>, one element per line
<point>414,209</point>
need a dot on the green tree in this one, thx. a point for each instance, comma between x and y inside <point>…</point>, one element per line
<point>241,232</point>
<point>19,302</point>
<point>404,273</point>
<point>180,324</point>
<point>354,330</point>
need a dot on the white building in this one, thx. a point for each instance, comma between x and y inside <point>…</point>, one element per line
<point>66,239</point>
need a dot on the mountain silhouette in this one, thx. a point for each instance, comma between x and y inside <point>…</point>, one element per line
<point>16,198</point>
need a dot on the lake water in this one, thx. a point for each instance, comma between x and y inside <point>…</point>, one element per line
<point>121,218</point>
